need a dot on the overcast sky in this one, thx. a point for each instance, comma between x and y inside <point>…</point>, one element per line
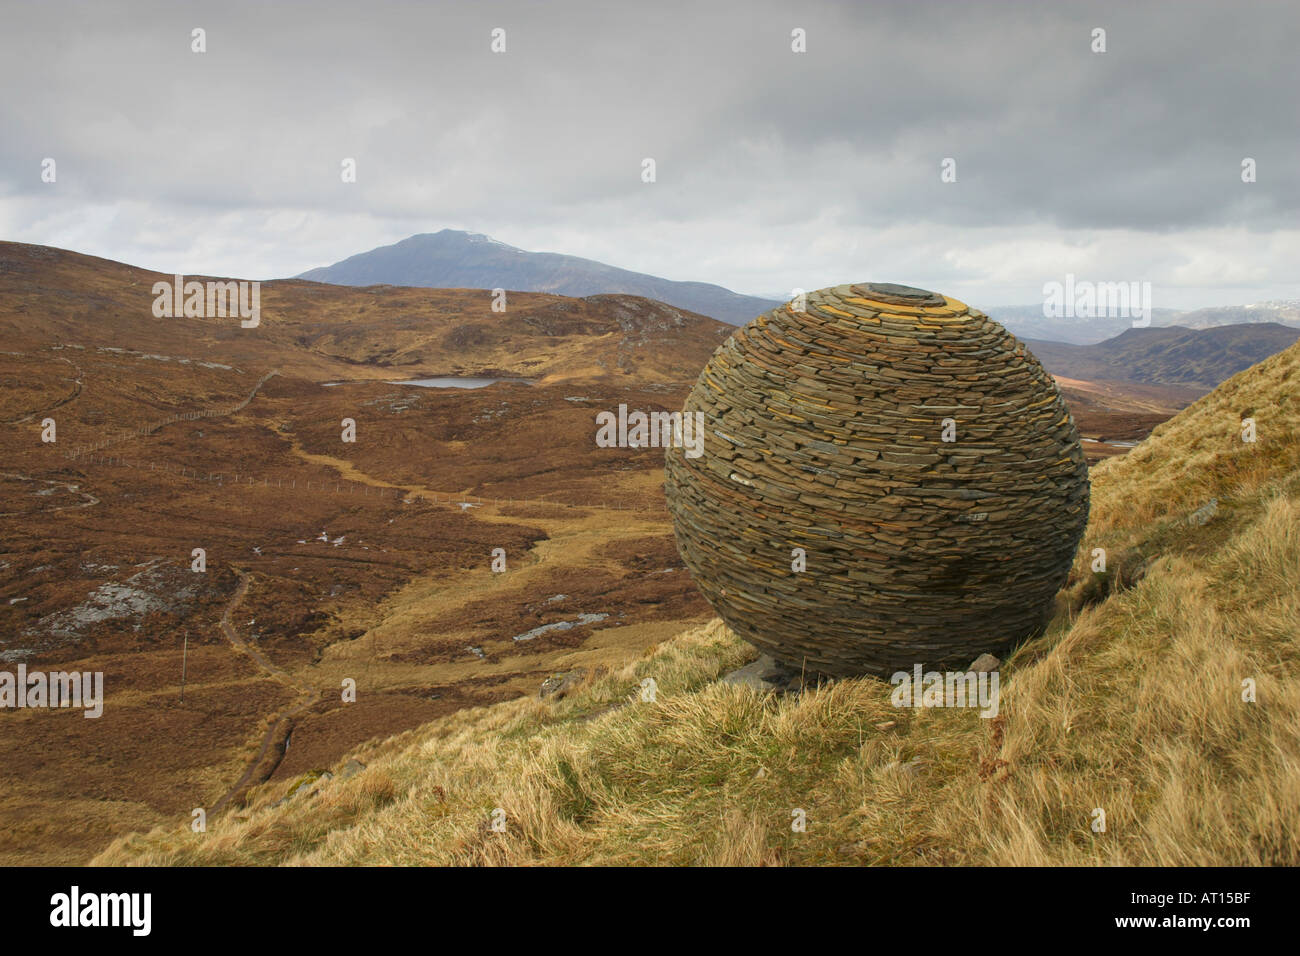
<point>774,169</point>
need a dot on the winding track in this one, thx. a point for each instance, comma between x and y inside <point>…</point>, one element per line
<point>307,697</point>
<point>282,725</point>
<point>76,391</point>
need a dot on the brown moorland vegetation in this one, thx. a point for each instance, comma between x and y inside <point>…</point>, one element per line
<point>325,560</point>
<point>1138,702</point>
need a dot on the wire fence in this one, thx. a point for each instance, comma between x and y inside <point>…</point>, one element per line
<point>144,430</point>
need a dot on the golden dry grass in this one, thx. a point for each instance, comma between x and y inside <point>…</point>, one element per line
<point>1131,703</point>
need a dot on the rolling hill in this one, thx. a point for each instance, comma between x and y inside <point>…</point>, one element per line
<point>452,259</point>
<point>1028,321</point>
<point>321,331</point>
<point>172,434</point>
<point>1174,356</point>
<point>1283,312</point>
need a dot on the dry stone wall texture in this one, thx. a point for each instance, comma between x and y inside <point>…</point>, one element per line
<point>825,431</point>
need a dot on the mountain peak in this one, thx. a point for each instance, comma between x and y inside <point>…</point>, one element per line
<point>458,259</point>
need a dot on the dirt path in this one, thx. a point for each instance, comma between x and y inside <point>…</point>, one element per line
<point>76,391</point>
<point>349,472</point>
<point>568,538</point>
<point>283,725</point>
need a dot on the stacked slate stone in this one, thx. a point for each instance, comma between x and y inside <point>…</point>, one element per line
<point>825,431</point>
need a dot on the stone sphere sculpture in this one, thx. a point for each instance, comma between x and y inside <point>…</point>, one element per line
<point>888,478</point>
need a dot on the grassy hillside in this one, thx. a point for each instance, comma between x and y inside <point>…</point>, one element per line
<point>1132,702</point>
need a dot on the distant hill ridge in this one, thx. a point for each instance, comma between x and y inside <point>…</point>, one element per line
<point>328,332</point>
<point>1028,321</point>
<point>453,259</point>
<point>1172,355</point>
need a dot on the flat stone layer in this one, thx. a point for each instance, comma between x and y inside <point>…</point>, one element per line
<point>824,431</point>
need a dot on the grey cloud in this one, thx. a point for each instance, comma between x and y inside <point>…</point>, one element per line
<point>1049,138</point>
